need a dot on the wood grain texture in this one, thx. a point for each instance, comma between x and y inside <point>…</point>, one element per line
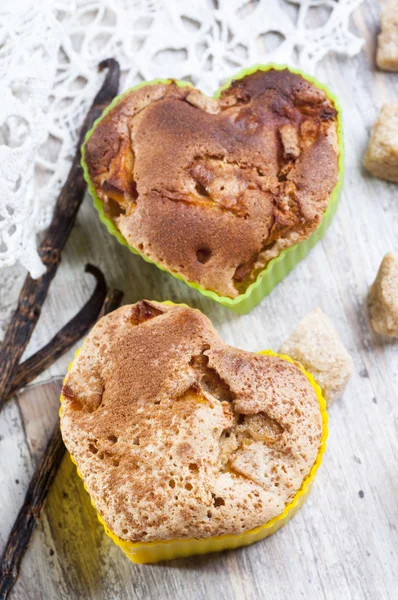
<point>343,544</point>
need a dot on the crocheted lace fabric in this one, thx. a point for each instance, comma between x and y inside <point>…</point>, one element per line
<point>49,51</point>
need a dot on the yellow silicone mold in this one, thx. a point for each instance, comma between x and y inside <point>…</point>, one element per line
<point>287,259</point>
<point>151,552</point>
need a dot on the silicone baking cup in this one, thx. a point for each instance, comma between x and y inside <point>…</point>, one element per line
<point>278,267</point>
<point>151,552</point>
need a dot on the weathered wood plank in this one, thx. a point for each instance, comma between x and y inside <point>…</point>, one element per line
<point>343,543</point>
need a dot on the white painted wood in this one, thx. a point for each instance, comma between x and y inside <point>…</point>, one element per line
<point>342,544</point>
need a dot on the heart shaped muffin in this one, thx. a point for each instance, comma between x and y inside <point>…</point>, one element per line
<point>213,189</point>
<point>179,436</point>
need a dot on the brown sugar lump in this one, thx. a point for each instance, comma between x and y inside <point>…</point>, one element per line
<point>381,157</point>
<point>383,297</point>
<point>316,345</point>
<point>387,41</point>
<point>212,189</point>
<point>179,436</point>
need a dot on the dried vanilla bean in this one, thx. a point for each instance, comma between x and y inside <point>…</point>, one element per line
<point>27,519</point>
<point>66,337</point>
<point>34,291</point>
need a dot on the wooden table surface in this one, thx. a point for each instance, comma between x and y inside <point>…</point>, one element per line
<point>344,543</point>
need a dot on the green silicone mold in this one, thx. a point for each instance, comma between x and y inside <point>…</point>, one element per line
<point>279,266</point>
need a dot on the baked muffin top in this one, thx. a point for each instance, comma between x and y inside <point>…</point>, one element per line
<point>213,189</point>
<point>178,435</point>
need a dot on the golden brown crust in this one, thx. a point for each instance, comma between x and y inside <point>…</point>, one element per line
<point>213,189</point>
<point>178,435</point>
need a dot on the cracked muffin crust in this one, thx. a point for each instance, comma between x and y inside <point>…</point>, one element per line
<point>213,189</point>
<point>178,435</point>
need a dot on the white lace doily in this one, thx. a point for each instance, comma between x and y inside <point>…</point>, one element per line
<point>49,51</point>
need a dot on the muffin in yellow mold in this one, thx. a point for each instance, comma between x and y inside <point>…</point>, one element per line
<point>215,497</point>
